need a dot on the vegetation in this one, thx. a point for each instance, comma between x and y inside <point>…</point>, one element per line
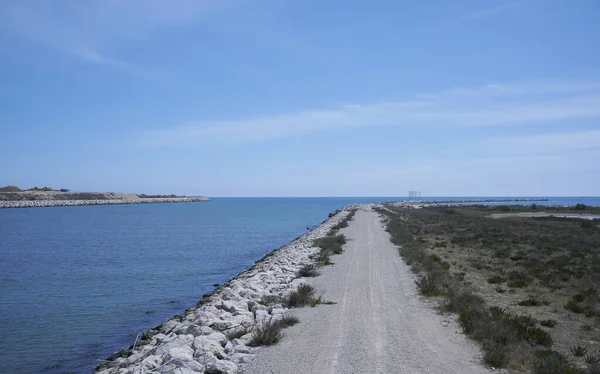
<point>237,333</point>
<point>304,295</point>
<point>308,271</point>
<point>538,260</point>
<point>266,333</point>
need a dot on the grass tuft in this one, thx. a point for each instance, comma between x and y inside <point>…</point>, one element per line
<point>548,322</point>
<point>288,320</point>
<point>308,271</point>
<point>267,333</point>
<point>303,295</point>
<point>578,351</point>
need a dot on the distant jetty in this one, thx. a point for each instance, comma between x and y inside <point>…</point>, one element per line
<point>13,197</point>
<point>49,203</point>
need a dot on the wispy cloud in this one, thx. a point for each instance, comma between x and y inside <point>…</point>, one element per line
<point>489,12</point>
<point>94,29</point>
<point>552,142</point>
<point>489,105</point>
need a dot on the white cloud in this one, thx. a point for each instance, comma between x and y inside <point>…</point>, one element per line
<point>551,143</point>
<point>92,29</point>
<point>489,105</point>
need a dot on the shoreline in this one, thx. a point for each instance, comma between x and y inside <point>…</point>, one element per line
<point>196,340</point>
<point>13,204</point>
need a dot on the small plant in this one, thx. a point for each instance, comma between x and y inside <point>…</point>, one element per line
<point>238,333</point>
<point>308,271</point>
<point>267,333</point>
<point>530,302</point>
<point>591,359</point>
<point>496,279</point>
<point>319,301</point>
<point>268,300</point>
<point>288,320</point>
<point>303,295</point>
<point>587,328</point>
<point>578,351</point>
<point>553,362</point>
<point>548,322</point>
<point>574,307</point>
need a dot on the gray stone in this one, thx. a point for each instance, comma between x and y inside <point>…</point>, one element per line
<point>219,338</point>
<point>241,358</point>
<point>261,315</point>
<point>222,367</point>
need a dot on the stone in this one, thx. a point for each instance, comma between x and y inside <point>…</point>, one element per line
<point>221,325</point>
<point>151,362</point>
<point>261,315</point>
<point>204,344</point>
<point>222,367</point>
<point>179,352</point>
<point>218,337</point>
<point>181,341</point>
<point>241,358</point>
<point>197,330</point>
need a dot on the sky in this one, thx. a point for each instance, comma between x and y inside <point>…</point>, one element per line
<point>302,97</point>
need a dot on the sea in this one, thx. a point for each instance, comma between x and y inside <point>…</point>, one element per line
<point>77,284</point>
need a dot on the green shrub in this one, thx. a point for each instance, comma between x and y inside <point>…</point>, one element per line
<point>303,295</point>
<point>267,333</point>
<point>496,279</point>
<point>548,322</point>
<point>578,351</point>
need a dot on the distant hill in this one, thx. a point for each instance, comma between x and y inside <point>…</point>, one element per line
<point>10,189</point>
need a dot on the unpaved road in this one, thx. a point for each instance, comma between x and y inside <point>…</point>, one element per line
<point>379,324</point>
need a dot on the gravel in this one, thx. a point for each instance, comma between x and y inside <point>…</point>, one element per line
<point>379,324</point>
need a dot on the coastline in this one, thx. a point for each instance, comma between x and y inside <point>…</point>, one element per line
<point>52,203</point>
<point>196,340</point>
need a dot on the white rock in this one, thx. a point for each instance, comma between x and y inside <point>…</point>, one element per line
<point>182,341</point>
<point>204,344</point>
<point>218,337</point>
<point>261,315</point>
<point>278,311</point>
<point>241,358</point>
<point>151,362</point>
<point>222,367</point>
<point>179,352</point>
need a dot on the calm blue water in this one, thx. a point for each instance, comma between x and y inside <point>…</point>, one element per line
<point>78,283</point>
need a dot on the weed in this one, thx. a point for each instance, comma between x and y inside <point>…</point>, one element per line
<point>288,320</point>
<point>496,279</point>
<point>269,300</point>
<point>267,333</point>
<point>303,295</point>
<point>587,328</point>
<point>308,271</point>
<point>530,302</point>
<point>331,244</point>
<point>574,307</point>
<point>548,322</point>
<point>591,359</point>
<point>552,362</point>
<point>578,351</point>
<point>238,333</point>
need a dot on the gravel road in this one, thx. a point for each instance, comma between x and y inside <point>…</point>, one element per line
<point>379,324</point>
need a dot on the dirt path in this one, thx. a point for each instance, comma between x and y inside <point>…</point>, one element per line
<point>379,324</point>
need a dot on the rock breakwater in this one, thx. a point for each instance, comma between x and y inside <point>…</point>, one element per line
<point>213,336</point>
<point>49,203</point>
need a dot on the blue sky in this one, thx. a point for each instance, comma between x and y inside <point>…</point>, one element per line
<point>302,97</point>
